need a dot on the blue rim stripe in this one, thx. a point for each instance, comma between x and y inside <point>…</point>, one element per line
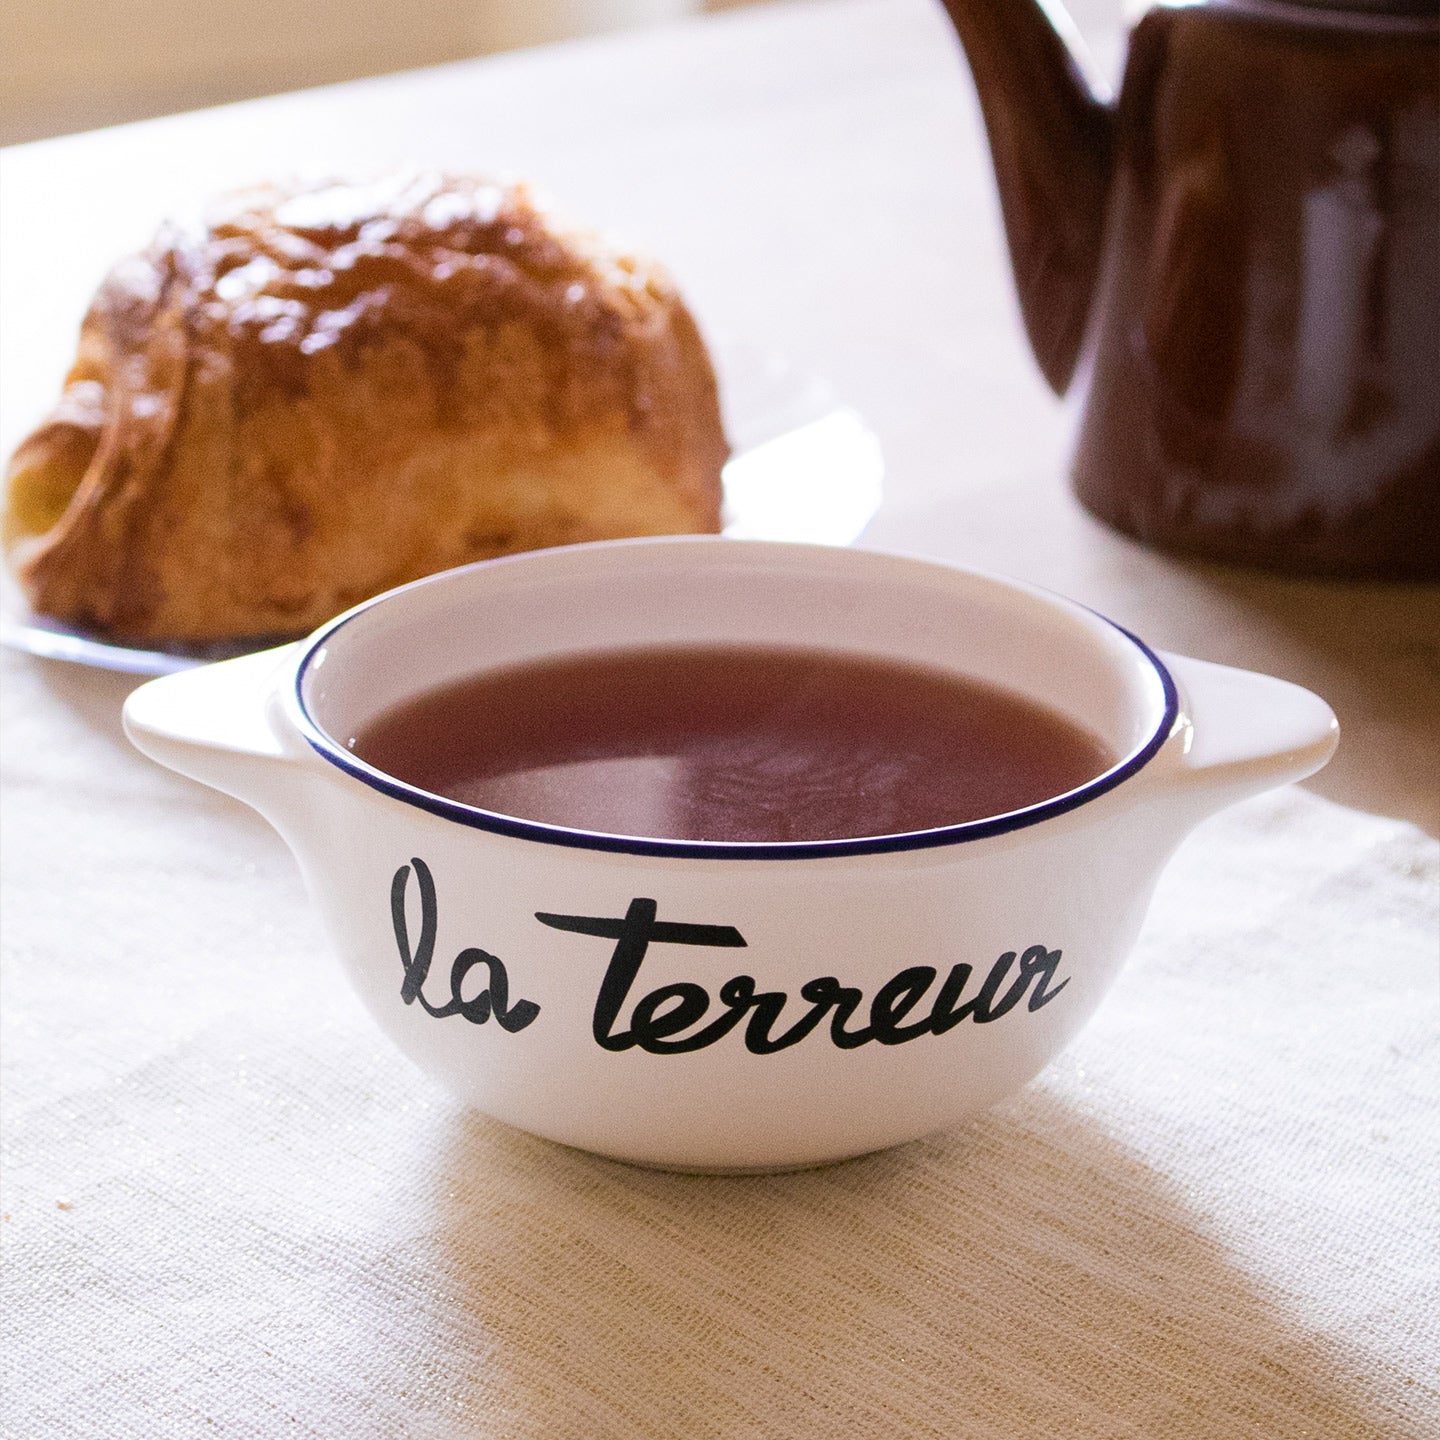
<point>533,830</point>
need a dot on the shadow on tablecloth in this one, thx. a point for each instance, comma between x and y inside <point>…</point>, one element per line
<point>1027,1276</point>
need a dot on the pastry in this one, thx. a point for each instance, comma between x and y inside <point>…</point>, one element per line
<point>326,392</point>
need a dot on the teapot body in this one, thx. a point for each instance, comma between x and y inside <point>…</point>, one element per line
<point>1236,266</point>
<point>1260,378</point>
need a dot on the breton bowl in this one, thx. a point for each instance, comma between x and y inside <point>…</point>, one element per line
<point>724,1007</point>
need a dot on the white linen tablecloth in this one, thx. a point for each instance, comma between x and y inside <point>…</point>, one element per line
<point>230,1209</point>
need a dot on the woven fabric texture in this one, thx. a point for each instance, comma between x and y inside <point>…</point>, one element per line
<point>231,1210</point>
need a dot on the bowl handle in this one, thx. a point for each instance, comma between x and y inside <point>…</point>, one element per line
<point>211,723</point>
<point>1248,732</point>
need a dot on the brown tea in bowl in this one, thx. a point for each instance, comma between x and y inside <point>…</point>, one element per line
<point>738,744</point>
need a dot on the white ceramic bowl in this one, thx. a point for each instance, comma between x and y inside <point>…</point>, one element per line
<point>728,1007</point>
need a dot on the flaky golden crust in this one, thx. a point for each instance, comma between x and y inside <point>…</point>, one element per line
<point>329,392</point>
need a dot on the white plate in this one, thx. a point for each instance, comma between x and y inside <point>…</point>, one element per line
<point>805,468</point>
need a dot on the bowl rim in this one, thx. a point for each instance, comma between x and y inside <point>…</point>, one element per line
<point>515,827</point>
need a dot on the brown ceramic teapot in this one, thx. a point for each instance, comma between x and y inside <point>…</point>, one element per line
<point>1237,266</point>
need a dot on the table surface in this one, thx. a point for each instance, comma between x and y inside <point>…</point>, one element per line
<point>816,177</point>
